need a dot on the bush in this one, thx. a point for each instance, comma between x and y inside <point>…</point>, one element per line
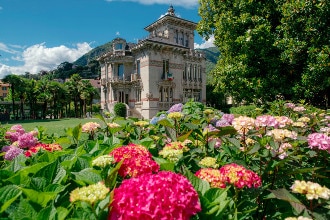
<point>248,110</point>
<point>120,109</point>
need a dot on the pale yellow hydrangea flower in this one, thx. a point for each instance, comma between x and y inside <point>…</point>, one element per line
<point>299,218</point>
<point>209,162</point>
<point>299,124</point>
<point>243,124</point>
<point>281,134</point>
<point>141,123</point>
<point>304,119</point>
<point>172,155</point>
<point>103,161</point>
<point>175,115</point>
<point>311,190</point>
<point>90,194</point>
<point>113,125</point>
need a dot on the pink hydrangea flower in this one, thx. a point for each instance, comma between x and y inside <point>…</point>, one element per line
<point>266,121</point>
<point>14,132</point>
<point>239,176</point>
<point>137,160</point>
<point>165,195</point>
<point>320,141</point>
<point>27,140</point>
<point>283,121</point>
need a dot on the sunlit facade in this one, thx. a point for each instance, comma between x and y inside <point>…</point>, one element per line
<point>155,73</point>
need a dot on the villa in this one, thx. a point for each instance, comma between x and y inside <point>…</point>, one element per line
<point>155,73</point>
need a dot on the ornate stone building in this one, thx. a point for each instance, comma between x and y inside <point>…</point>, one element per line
<point>155,73</point>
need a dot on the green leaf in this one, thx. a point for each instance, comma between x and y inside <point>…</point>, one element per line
<point>53,172</point>
<point>228,130</point>
<point>22,176</point>
<point>24,210</point>
<point>285,195</point>
<point>166,123</point>
<point>41,198</point>
<point>112,176</point>
<point>47,213</point>
<point>62,213</point>
<point>304,170</point>
<point>184,136</point>
<point>8,194</point>
<point>87,176</point>
<point>200,185</point>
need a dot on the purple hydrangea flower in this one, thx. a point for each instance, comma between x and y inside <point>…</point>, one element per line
<point>12,152</point>
<point>176,108</point>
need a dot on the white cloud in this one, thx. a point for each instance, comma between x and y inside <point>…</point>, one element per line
<point>38,57</point>
<point>182,3</point>
<point>205,44</point>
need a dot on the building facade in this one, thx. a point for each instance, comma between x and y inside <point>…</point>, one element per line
<point>155,73</point>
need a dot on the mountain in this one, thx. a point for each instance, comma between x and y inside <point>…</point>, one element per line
<point>212,55</point>
<point>93,54</point>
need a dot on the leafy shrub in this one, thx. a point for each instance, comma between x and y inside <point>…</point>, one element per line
<point>247,110</point>
<point>120,109</point>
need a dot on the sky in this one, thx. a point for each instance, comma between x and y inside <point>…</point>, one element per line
<point>38,35</point>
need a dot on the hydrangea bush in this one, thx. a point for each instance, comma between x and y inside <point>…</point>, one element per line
<point>190,162</point>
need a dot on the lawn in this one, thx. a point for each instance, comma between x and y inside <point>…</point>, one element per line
<point>52,125</point>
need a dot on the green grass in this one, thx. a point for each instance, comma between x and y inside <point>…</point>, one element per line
<point>52,125</point>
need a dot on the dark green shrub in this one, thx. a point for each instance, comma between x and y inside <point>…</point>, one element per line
<point>247,110</point>
<point>120,109</point>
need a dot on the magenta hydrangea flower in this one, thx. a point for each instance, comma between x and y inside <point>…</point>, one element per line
<point>320,141</point>
<point>11,152</point>
<point>165,195</point>
<point>137,160</point>
<point>176,108</point>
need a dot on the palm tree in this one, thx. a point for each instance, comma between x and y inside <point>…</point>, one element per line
<point>73,88</point>
<point>44,95</point>
<point>14,82</point>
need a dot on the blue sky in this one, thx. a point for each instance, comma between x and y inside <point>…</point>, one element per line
<point>38,35</point>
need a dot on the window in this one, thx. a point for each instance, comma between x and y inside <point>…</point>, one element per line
<point>138,95</point>
<point>165,69</point>
<point>176,36</point>
<point>119,46</point>
<point>165,94</point>
<point>121,71</point>
<point>4,95</point>
<point>187,40</point>
<point>200,73</point>
<point>138,66</point>
<point>4,88</point>
<point>190,72</point>
<point>195,73</point>
<point>185,72</point>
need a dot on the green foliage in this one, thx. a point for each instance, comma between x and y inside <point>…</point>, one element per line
<point>248,110</point>
<point>39,186</point>
<point>270,48</point>
<point>120,109</point>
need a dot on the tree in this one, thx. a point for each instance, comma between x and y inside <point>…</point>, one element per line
<point>14,82</point>
<point>262,55</point>
<point>73,88</point>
